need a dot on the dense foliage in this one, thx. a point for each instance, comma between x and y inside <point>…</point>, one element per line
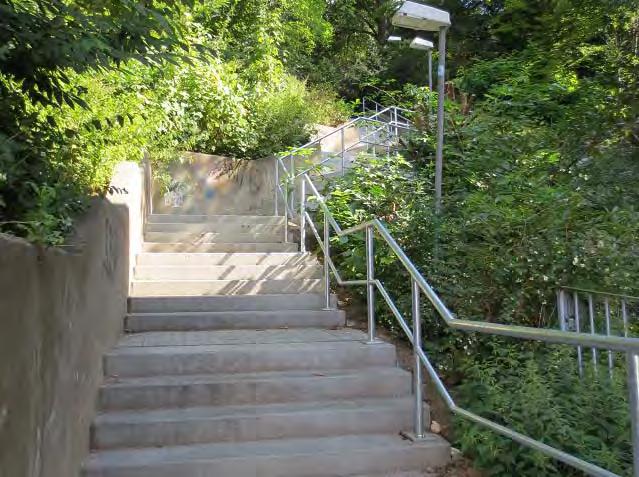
<point>541,174</point>
<point>85,85</point>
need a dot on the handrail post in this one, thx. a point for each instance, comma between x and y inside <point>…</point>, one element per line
<point>292,193</point>
<point>580,363</point>
<point>370,282</point>
<point>608,332</point>
<point>277,185</point>
<point>396,127</point>
<point>633,390</point>
<point>417,372</point>
<point>286,210</point>
<point>303,215</point>
<point>327,257</point>
<point>343,151</point>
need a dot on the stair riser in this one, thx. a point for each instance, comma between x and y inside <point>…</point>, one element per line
<point>150,247</point>
<point>215,219</point>
<point>212,237</point>
<point>232,272</point>
<point>230,320</point>
<point>236,260</point>
<point>333,464</point>
<point>242,361</point>
<point>220,227</point>
<point>321,423</point>
<point>228,303</point>
<point>225,287</point>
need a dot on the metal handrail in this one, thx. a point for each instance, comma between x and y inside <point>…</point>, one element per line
<point>420,285</point>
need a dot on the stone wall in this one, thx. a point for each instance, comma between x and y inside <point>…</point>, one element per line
<point>61,309</point>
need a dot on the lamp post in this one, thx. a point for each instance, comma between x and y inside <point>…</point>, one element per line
<point>416,16</point>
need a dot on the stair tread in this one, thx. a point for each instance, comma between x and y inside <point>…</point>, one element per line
<point>264,448</point>
<point>179,218</point>
<point>166,350</point>
<point>234,313</point>
<point>234,338</point>
<point>178,280</point>
<point>186,379</point>
<point>253,410</point>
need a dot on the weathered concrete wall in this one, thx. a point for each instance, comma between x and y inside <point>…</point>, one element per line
<point>60,311</point>
<point>130,184</point>
<point>216,185</point>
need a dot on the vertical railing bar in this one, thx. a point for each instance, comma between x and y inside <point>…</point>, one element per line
<point>417,373</point>
<point>624,317</point>
<point>370,277</point>
<point>388,135</point>
<point>561,308</point>
<point>593,331</point>
<point>302,215</point>
<point>327,256</point>
<point>580,363</point>
<point>633,398</point>
<point>292,184</point>
<point>286,186</point>
<point>610,358</point>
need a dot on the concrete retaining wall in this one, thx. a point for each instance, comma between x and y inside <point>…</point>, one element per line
<point>60,310</point>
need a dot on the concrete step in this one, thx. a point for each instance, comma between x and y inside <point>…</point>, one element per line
<point>179,391</point>
<point>224,287</point>
<point>326,456</point>
<point>228,272</point>
<point>237,337</point>
<point>174,427</point>
<point>302,301</point>
<point>216,219</point>
<point>225,320</point>
<point>244,351</point>
<point>220,227</point>
<point>178,247</point>
<point>200,238</point>
<point>219,259</point>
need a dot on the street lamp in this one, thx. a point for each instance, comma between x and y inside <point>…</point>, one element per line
<point>416,16</point>
<point>420,44</point>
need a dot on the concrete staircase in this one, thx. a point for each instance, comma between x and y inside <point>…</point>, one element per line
<point>231,367</point>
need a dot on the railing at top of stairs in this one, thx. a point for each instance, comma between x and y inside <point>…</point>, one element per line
<point>378,131</point>
<point>419,287</point>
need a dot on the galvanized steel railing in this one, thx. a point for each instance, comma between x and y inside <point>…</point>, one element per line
<point>600,313</point>
<point>419,286</point>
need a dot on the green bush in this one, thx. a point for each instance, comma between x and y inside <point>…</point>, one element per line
<point>165,76</point>
<point>536,390</point>
<point>525,211</point>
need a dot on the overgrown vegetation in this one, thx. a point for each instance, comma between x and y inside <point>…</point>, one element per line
<point>85,85</point>
<point>541,174</point>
